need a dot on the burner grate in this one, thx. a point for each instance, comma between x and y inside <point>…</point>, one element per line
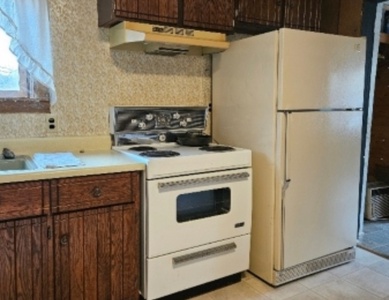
<point>217,148</point>
<point>159,153</point>
<point>142,148</point>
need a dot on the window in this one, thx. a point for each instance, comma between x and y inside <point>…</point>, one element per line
<point>18,91</point>
<point>26,73</point>
<point>12,80</point>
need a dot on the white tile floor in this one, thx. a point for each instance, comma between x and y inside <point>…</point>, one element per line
<point>367,278</point>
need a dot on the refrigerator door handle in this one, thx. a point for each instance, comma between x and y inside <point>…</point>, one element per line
<point>285,185</point>
<point>287,179</point>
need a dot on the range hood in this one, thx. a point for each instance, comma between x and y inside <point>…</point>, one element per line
<point>165,40</point>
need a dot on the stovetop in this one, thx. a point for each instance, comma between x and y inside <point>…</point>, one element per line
<point>186,160</point>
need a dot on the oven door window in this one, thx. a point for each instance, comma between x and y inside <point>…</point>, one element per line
<point>204,204</point>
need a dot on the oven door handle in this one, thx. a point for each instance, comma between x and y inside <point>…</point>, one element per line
<point>203,180</point>
<point>204,253</point>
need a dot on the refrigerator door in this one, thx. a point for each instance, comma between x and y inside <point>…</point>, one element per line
<point>320,155</point>
<point>320,71</point>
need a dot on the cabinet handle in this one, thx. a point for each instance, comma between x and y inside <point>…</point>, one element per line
<point>96,192</point>
<point>64,240</point>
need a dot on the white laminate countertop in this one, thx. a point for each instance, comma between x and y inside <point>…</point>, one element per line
<point>96,160</point>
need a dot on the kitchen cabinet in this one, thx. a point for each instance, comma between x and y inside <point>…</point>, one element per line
<point>255,16</point>
<point>96,236</point>
<point>111,12</point>
<point>214,15</point>
<point>70,238</point>
<point>379,146</point>
<point>302,14</point>
<point>24,245</point>
<point>343,17</point>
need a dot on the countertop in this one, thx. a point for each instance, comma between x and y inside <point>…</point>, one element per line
<point>96,160</point>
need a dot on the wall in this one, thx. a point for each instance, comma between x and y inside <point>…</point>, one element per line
<point>89,77</point>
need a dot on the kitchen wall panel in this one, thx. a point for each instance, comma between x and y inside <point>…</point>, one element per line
<point>90,77</point>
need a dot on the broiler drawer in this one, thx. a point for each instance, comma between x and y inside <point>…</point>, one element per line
<point>92,191</point>
<point>20,200</point>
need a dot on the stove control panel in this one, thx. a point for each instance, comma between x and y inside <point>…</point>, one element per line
<point>156,122</point>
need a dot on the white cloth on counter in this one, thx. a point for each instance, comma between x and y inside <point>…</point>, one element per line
<point>56,160</point>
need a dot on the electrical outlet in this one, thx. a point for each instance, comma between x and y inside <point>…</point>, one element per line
<point>51,123</point>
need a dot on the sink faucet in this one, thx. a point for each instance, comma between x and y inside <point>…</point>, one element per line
<point>8,154</point>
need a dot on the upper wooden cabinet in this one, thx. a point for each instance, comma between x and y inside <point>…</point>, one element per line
<point>242,16</point>
<point>257,15</point>
<point>264,15</point>
<point>213,15</point>
<point>111,12</point>
<point>208,14</point>
<point>302,14</point>
<point>342,17</point>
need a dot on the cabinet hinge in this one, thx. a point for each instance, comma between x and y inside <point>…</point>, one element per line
<point>49,232</point>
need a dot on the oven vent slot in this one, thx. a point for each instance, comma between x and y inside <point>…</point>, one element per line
<point>203,253</point>
<point>203,180</point>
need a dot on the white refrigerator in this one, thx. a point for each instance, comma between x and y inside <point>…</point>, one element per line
<point>295,99</point>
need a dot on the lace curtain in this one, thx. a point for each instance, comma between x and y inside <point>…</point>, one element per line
<point>27,23</point>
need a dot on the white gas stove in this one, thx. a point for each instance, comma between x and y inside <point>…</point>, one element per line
<point>196,203</point>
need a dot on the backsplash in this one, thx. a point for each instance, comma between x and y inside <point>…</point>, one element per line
<point>90,78</point>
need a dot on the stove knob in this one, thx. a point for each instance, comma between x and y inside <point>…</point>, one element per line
<point>142,125</point>
<point>162,137</point>
<point>176,116</point>
<point>149,117</point>
<point>183,123</point>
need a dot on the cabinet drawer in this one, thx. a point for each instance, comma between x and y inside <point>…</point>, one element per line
<point>93,191</point>
<point>19,200</point>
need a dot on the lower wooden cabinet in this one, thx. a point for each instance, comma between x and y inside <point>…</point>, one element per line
<point>24,259</point>
<point>71,250</point>
<point>96,253</point>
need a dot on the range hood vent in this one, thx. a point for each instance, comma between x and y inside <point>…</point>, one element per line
<point>165,40</point>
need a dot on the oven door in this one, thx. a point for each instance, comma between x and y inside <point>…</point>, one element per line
<point>188,211</point>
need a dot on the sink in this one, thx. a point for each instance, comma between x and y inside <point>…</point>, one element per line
<point>19,163</point>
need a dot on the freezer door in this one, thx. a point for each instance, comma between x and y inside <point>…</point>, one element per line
<point>320,71</point>
<point>318,207</point>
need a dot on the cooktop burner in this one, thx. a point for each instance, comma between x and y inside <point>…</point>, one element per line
<point>159,153</point>
<point>142,148</point>
<point>217,148</point>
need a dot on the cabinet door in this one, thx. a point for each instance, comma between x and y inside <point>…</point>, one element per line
<point>96,253</point>
<point>23,259</point>
<point>213,15</point>
<point>156,11</point>
<point>303,14</point>
<point>258,15</point>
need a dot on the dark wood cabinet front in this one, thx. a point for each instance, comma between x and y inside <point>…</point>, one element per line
<point>303,14</point>
<point>24,259</point>
<point>85,246</point>
<point>209,14</point>
<point>263,15</point>
<point>258,15</point>
<point>111,12</point>
<point>96,253</point>
<point>96,236</point>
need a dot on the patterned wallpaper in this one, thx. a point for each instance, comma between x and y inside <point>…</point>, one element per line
<point>90,78</point>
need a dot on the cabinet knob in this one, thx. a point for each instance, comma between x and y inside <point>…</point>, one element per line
<point>64,240</point>
<point>96,192</point>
